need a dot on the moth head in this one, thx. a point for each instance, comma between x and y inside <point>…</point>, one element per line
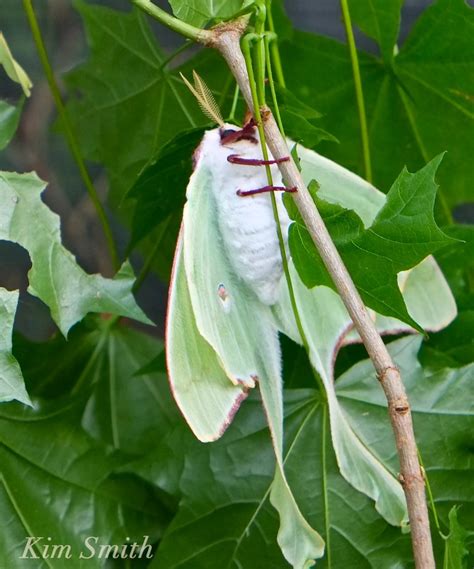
<point>230,134</point>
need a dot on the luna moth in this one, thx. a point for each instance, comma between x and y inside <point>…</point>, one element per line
<point>229,301</point>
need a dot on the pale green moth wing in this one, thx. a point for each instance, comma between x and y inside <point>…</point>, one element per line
<point>340,186</point>
<point>428,297</point>
<point>325,322</point>
<point>241,330</point>
<point>204,394</point>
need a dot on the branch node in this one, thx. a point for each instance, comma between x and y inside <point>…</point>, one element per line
<point>409,481</point>
<point>400,406</point>
<point>228,29</point>
<point>266,113</point>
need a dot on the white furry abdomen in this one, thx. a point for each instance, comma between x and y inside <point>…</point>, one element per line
<point>247,223</point>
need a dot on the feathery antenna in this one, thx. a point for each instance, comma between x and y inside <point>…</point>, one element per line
<point>205,98</point>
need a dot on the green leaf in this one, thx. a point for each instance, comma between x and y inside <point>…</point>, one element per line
<point>122,122</point>
<point>12,385</point>
<point>416,108</point>
<point>303,129</point>
<point>226,520</point>
<point>199,12</point>
<point>9,119</point>
<point>156,365</point>
<point>127,411</point>
<point>53,368</point>
<point>12,68</point>
<point>455,549</point>
<point>402,235</point>
<point>457,261</point>
<point>128,407</point>
<point>55,277</point>
<point>421,286</point>
<point>454,346</point>
<point>161,187</point>
<point>299,119</point>
<point>57,482</point>
<point>380,20</point>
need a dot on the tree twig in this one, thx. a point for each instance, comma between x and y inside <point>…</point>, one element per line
<point>186,30</point>
<point>227,42</point>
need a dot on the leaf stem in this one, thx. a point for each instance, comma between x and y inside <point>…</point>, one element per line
<point>275,50</point>
<point>269,40</point>
<point>430,496</point>
<point>235,100</point>
<point>68,130</point>
<point>358,90</point>
<point>196,34</point>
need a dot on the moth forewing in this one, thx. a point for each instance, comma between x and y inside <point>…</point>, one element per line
<point>201,388</point>
<point>227,327</point>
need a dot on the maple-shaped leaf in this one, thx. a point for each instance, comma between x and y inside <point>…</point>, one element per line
<point>123,120</point>
<point>199,12</point>
<point>401,236</point>
<point>419,98</point>
<point>57,481</point>
<point>55,276</point>
<point>379,20</point>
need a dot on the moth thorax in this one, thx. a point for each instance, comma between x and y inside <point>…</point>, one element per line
<point>251,241</point>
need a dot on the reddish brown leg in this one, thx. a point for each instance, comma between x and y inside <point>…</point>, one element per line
<point>236,159</point>
<point>244,193</point>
